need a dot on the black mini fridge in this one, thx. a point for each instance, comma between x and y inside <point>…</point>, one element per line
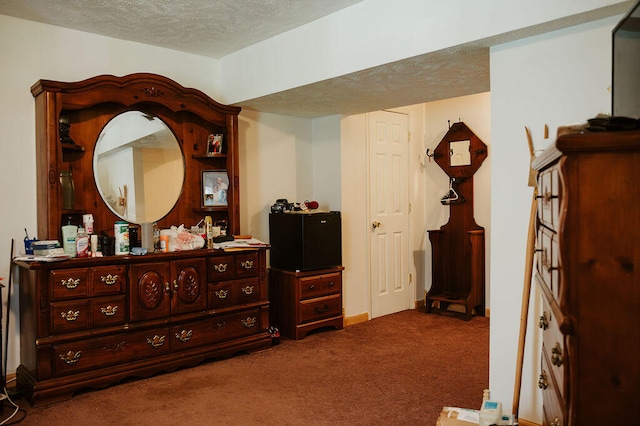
<point>302,241</point>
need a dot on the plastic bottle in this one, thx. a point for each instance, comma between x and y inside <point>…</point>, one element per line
<point>82,243</point>
<point>69,232</point>
<point>121,232</point>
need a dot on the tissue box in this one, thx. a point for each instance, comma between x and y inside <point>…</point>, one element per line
<point>44,248</point>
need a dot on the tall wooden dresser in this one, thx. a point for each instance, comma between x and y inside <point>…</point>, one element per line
<point>588,268</point>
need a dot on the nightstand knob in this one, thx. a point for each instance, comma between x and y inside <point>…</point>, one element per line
<point>331,284</point>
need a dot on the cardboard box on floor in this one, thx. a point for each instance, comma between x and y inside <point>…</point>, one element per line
<point>454,416</point>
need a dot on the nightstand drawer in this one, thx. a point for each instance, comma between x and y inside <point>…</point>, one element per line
<point>320,285</point>
<point>320,308</point>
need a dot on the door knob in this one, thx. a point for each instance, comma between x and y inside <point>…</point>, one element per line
<point>375,225</point>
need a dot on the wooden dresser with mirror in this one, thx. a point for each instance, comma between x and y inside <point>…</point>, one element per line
<point>92,322</point>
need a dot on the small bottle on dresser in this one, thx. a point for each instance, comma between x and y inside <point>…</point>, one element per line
<point>82,243</point>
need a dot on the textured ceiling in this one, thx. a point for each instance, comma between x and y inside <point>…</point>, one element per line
<point>211,28</point>
<point>215,28</point>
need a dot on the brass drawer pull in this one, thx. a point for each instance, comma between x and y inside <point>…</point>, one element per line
<point>312,287</point>
<point>249,322</point>
<point>156,341</point>
<point>70,315</point>
<point>222,294</point>
<point>71,283</point>
<point>248,290</point>
<point>221,267</point>
<point>543,323</point>
<point>322,310</point>
<point>70,357</point>
<point>556,355</point>
<point>221,324</point>
<point>109,310</point>
<point>184,336</point>
<point>247,264</point>
<point>109,279</point>
<point>331,284</point>
<point>555,422</point>
<point>542,380</point>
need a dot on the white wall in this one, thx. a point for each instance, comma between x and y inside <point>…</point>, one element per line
<point>275,162</point>
<point>556,79</point>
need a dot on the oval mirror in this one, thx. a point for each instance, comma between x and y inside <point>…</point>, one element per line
<point>138,167</point>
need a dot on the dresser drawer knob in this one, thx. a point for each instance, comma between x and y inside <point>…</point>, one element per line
<point>109,279</point>
<point>555,422</point>
<point>71,315</point>
<point>542,380</point>
<point>249,322</point>
<point>312,287</point>
<point>184,336</point>
<point>247,264</point>
<point>109,310</point>
<point>331,284</point>
<point>156,341</point>
<point>543,323</point>
<point>220,267</point>
<point>222,294</point>
<point>71,283</point>
<point>70,357</point>
<point>248,290</point>
<point>556,355</point>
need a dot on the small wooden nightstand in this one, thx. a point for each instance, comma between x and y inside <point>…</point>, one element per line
<point>305,301</point>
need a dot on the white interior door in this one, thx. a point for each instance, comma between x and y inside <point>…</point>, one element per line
<point>389,212</point>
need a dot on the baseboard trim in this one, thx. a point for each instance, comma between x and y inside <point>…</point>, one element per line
<point>363,317</point>
<point>523,422</point>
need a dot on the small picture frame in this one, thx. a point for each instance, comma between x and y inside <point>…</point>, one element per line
<point>214,144</point>
<point>215,187</point>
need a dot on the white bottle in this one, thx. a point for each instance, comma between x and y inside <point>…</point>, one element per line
<point>69,239</point>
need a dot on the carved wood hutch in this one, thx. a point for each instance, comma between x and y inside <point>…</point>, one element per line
<point>91,322</point>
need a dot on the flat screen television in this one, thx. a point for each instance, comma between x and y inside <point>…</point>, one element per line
<point>625,84</point>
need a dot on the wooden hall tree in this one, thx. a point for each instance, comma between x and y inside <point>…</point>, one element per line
<point>458,247</point>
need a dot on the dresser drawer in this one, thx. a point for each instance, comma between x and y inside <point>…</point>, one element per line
<point>69,283</point>
<point>108,310</point>
<point>247,265</point>
<point>319,308</point>
<point>70,316</point>
<point>551,399</point>
<point>109,280</point>
<point>70,358</point>
<point>216,329</point>
<point>548,260</point>
<point>229,293</point>
<point>549,197</point>
<point>320,285</point>
<point>220,268</point>
<point>553,345</point>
